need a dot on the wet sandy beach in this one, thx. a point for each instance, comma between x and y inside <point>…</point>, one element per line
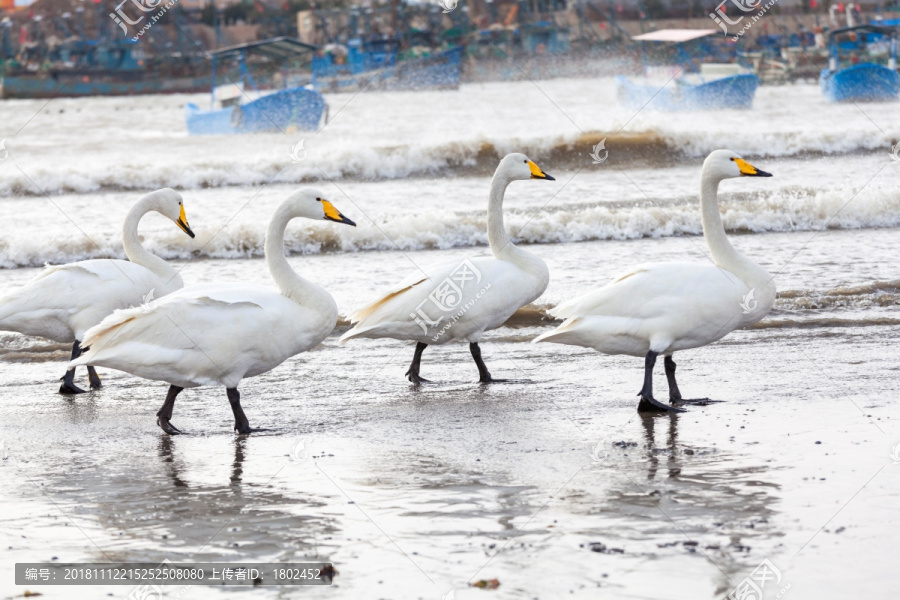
<point>552,484</point>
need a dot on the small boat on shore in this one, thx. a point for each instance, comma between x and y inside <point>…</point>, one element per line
<point>231,109</point>
<point>668,88</point>
<point>862,65</point>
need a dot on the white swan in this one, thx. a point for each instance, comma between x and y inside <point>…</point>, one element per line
<point>65,300</point>
<point>660,308</point>
<point>217,334</point>
<point>459,300</point>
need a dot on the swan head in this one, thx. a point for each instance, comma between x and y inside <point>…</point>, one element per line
<point>725,164</point>
<point>312,204</point>
<point>169,204</point>
<point>517,166</point>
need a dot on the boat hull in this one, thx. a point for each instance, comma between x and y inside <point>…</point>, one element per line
<point>285,111</point>
<point>860,83</point>
<point>73,85</point>
<point>735,91</point>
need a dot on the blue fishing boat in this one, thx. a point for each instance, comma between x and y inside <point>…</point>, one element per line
<point>667,88</point>
<point>231,111</point>
<point>379,65</point>
<point>862,65</point>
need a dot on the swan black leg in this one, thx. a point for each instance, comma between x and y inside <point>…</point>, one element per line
<point>164,414</point>
<point>94,378</point>
<point>241,424</point>
<point>68,380</point>
<point>648,403</point>
<point>483,374</point>
<point>413,373</point>
<point>674,392</point>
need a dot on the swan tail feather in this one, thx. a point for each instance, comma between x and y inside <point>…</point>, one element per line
<point>359,315</point>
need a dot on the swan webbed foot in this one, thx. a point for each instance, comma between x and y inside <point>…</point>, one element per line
<point>68,386</point>
<point>489,379</point>
<point>165,412</point>
<point>696,401</point>
<point>651,404</point>
<point>415,378</point>
<point>70,389</point>
<point>245,429</point>
<point>167,426</point>
<point>96,384</point>
<point>413,373</point>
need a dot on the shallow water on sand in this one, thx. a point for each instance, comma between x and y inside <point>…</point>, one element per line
<point>413,493</point>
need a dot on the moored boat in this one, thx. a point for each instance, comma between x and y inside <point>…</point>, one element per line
<point>233,112</point>
<point>862,65</point>
<point>667,88</point>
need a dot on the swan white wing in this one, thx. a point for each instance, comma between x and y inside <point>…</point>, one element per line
<point>205,335</point>
<point>652,289</point>
<point>63,301</point>
<point>451,300</point>
<point>659,306</point>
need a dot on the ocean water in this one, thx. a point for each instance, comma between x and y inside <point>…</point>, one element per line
<point>551,484</point>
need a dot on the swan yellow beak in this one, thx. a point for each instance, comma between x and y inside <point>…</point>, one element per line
<point>183,224</point>
<point>536,172</point>
<point>748,170</point>
<point>333,214</point>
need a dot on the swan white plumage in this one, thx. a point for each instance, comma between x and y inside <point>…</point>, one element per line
<point>660,308</point>
<point>219,333</point>
<point>63,301</point>
<point>460,300</point>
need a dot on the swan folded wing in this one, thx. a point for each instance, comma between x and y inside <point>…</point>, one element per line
<point>433,273</point>
<point>68,299</point>
<point>612,335</point>
<point>199,340</point>
<point>653,290</point>
<point>465,296</point>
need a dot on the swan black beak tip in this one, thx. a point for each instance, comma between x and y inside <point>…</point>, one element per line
<point>186,228</point>
<point>342,219</point>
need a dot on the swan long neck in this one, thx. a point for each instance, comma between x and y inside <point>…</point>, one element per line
<point>501,246</point>
<point>136,252</point>
<point>723,253</point>
<point>298,289</point>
